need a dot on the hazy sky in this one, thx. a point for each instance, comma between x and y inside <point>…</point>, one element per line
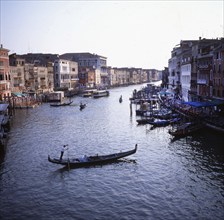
<point>129,33</point>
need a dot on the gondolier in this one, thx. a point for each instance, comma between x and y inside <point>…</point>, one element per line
<point>63,149</point>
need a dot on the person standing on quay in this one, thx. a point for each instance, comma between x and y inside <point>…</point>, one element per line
<point>63,150</point>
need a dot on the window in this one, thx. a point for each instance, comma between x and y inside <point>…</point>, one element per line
<point>217,55</point>
<point>219,71</point>
<point>64,68</point>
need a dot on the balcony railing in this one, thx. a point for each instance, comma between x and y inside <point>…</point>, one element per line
<point>3,81</point>
<point>202,81</point>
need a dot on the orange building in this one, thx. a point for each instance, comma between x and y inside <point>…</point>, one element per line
<point>5,88</point>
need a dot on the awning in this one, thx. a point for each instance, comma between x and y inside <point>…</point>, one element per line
<point>204,104</point>
<point>18,94</point>
<point>3,107</point>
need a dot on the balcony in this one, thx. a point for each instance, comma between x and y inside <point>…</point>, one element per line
<point>3,82</point>
<point>202,81</point>
<point>74,79</point>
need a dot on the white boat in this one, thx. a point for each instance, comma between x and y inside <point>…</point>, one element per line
<point>89,92</point>
<point>100,93</point>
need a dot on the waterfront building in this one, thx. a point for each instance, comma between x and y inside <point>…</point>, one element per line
<point>112,76</point>
<point>110,73</point>
<point>94,63</point>
<point>65,74</point>
<point>29,77</point>
<point>140,75</point>
<point>104,77</point>
<point>128,76</point>
<point>155,75</point>
<point>50,78</point>
<point>218,71</point>
<point>165,80</point>
<point>173,66</point>
<point>145,76</point>
<point>193,82</point>
<point>32,73</point>
<point>122,75</point>
<point>180,68</point>
<point>185,75</point>
<point>134,78</point>
<point>39,59</point>
<point>204,67</point>
<point>41,79</point>
<point>74,79</point>
<point>195,69</point>
<point>86,59</point>
<point>88,77</point>
<point>5,86</point>
<point>17,73</point>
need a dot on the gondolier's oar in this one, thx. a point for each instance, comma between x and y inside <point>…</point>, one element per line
<point>68,159</point>
<point>68,164</point>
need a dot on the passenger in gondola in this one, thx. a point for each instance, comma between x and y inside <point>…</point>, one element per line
<point>63,150</point>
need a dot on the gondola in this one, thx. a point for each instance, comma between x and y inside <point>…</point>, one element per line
<point>160,123</point>
<point>82,106</point>
<point>86,161</point>
<point>61,104</point>
<point>120,99</point>
<point>144,121</point>
<point>185,129</point>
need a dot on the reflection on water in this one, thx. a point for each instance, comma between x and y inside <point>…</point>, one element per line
<point>165,179</point>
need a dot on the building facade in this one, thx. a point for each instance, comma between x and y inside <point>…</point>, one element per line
<point>17,73</point>
<point>218,71</point>
<point>195,69</point>
<point>65,74</point>
<point>5,85</point>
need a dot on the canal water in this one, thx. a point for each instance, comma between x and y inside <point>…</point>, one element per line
<point>165,179</point>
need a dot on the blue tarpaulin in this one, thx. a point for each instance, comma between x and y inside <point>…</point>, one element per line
<point>204,104</point>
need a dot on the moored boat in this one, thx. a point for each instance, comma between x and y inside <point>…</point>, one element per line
<point>61,104</point>
<point>144,121</point>
<point>86,161</point>
<point>100,93</point>
<point>89,92</point>
<point>160,122</point>
<point>185,129</point>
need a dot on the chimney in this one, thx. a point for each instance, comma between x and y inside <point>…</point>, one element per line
<point>1,46</point>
